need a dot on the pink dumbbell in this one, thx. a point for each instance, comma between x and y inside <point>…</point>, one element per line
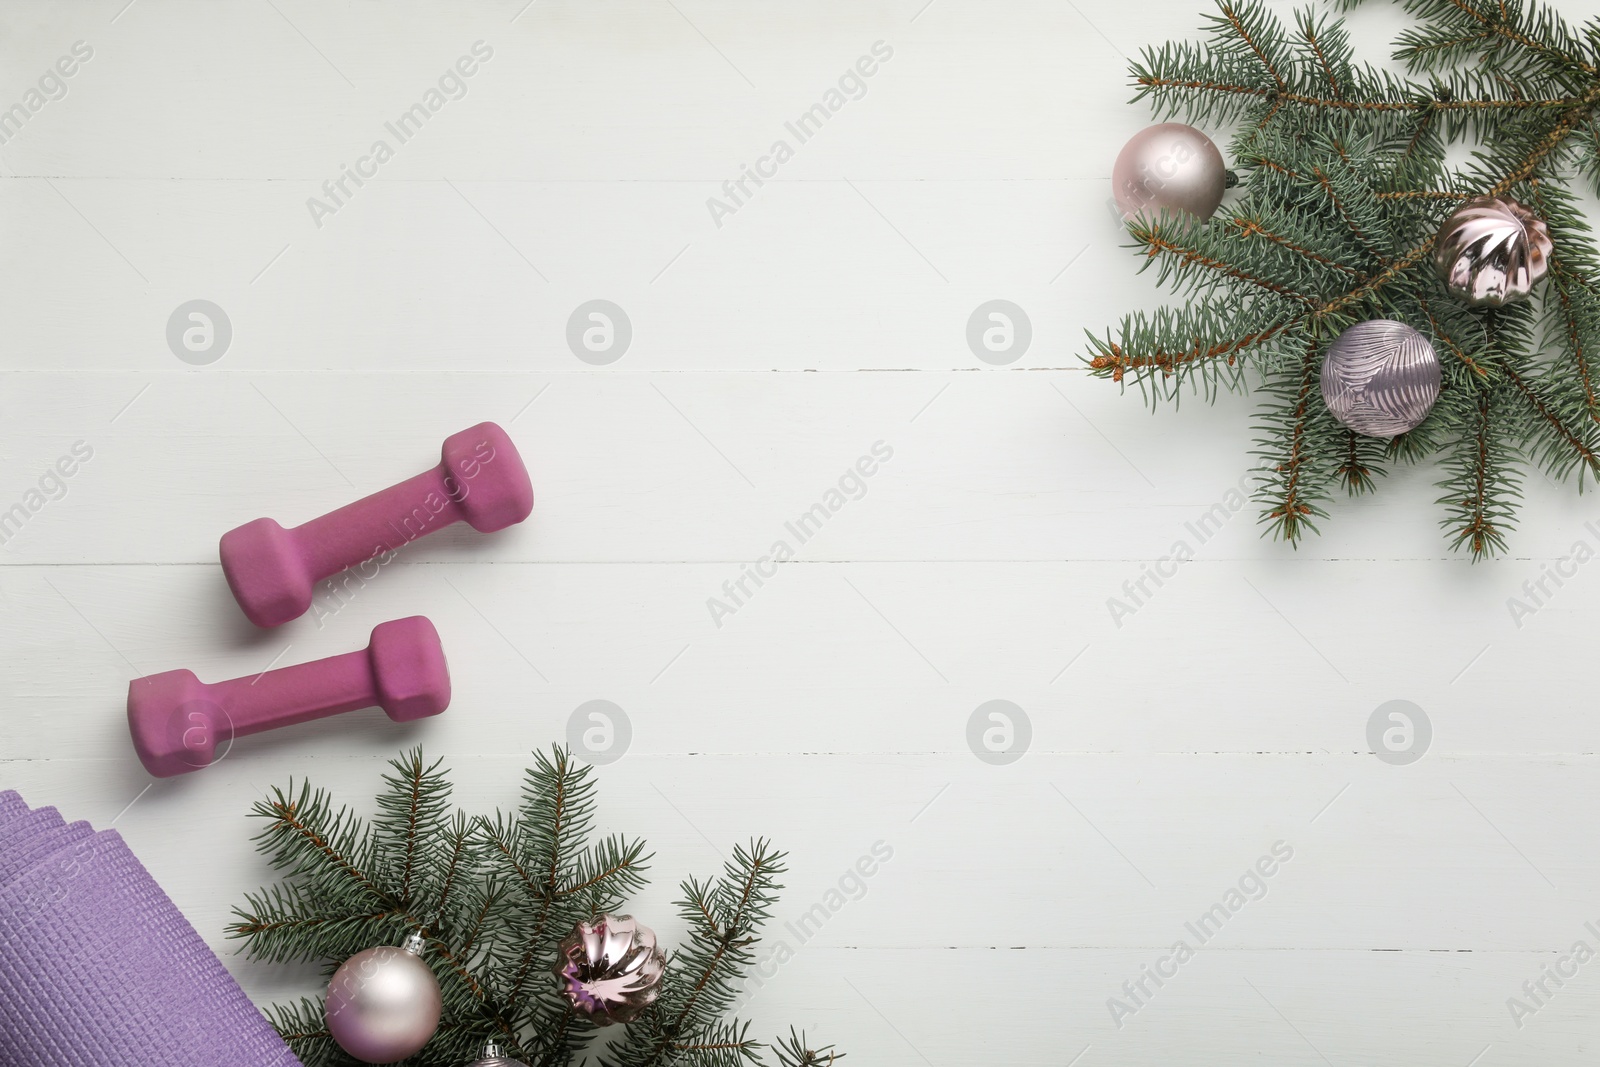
<point>480,480</point>
<point>177,720</point>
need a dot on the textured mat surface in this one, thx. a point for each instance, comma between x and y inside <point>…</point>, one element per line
<point>97,966</point>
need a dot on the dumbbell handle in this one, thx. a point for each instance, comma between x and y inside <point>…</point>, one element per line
<point>369,526</point>
<point>298,693</point>
<point>480,479</point>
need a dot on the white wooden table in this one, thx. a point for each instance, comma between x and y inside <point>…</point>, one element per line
<point>775,340</point>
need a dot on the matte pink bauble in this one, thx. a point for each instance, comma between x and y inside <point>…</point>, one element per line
<point>384,1003</point>
<point>1169,167</point>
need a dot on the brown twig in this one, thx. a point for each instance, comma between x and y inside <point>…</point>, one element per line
<point>1156,245</point>
<point>1554,421</point>
<point>1292,511</point>
<point>1119,362</point>
<point>1250,227</point>
<point>1282,95</point>
<point>1232,16</point>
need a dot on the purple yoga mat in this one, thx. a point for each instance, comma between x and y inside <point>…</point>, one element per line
<point>99,969</point>
<point>11,805</point>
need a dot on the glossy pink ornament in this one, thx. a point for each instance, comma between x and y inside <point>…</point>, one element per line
<point>610,968</point>
<point>1170,167</point>
<point>384,1003</point>
<point>177,721</point>
<point>481,481</point>
<point>1492,251</point>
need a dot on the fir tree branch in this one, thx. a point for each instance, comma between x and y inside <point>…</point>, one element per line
<point>1563,283</point>
<point>1295,503</point>
<point>1499,27</point>
<point>1283,97</point>
<point>491,897</point>
<point>1570,288</point>
<point>1424,55</point>
<point>1357,469</point>
<point>468,884</point>
<point>458,853</point>
<point>1349,172</point>
<point>1236,18</point>
<point>725,938</point>
<point>1443,335</point>
<point>413,810</point>
<point>410,811</point>
<point>794,1052</point>
<point>1343,211</point>
<point>1576,116</point>
<point>1394,271</point>
<point>503,843</point>
<point>1562,431</point>
<point>530,957</point>
<point>614,863</point>
<point>1156,244</point>
<point>1251,227</point>
<point>725,919</point>
<point>1479,531</point>
<point>1421,194</point>
<point>1309,31</point>
<point>291,827</point>
<point>1117,360</point>
<point>457,966</point>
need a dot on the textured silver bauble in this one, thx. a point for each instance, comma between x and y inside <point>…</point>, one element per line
<point>1169,166</point>
<point>610,968</point>
<point>384,1003</point>
<point>1380,378</point>
<point>1492,251</point>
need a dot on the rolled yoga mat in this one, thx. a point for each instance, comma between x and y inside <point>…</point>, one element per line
<point>99,968</point>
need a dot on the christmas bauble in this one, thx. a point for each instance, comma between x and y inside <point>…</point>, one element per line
<point>494,1056</point>
<point>1492,251</point>
<point>1380,378</point>
<point>1169,166</point>
<point>610,968</point>
<point>384,1002</point>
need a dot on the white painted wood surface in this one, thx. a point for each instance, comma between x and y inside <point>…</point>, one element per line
<point>826,314</point>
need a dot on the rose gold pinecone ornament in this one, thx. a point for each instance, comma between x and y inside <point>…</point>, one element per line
<point>610,968</point>
<point>1492,251</point>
